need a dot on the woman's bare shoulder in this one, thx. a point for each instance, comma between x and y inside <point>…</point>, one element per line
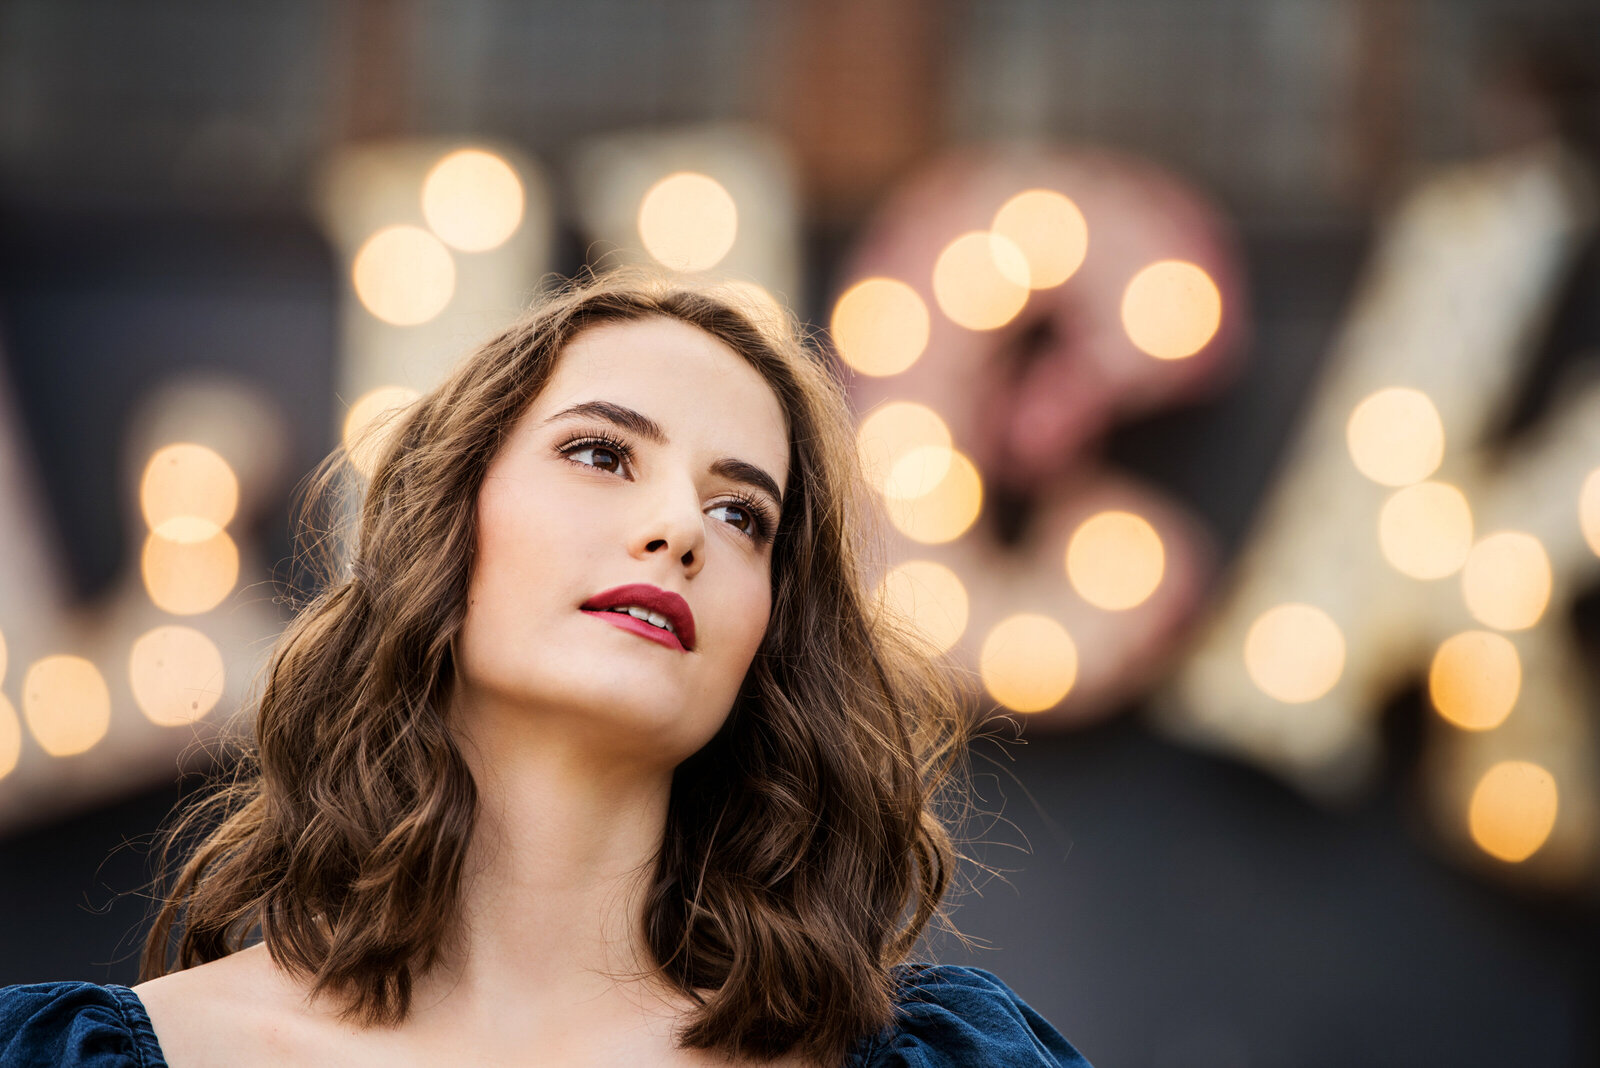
<point>238,1010</point>
<point>242,1011</point>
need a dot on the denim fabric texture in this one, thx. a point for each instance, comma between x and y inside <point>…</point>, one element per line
<point>80,1025</point>
<point>954,1017</point>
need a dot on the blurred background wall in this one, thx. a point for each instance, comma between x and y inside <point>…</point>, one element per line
<point>1175,868</point>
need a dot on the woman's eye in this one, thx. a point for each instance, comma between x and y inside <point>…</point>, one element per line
<point>605,458</point>
<point>743,519</point>
<point>615,458</point>
<point>749,520</point>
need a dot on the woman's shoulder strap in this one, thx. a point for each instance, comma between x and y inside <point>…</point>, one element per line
<point>77,1025</point>
<point>948,1016</point>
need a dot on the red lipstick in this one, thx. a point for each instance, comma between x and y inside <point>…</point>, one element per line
<point>650,598</point>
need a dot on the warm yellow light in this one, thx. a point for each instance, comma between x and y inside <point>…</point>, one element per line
<point>66,703</point>
<point>892,430</point>
<point>403,275</point>
<point>1425,530</point>
<point>688,221</point>
<point>370,422</point>
<point>1589,510</point>
<point>1115,560</point>
<point>473,200</point>
<point>980,280</point>
<point>929,595</point>
<point>1475,679</point>
<point>1513,810</point>
<point>1506,581</point>
<point>880,326</point>
<point>947,509</point>
<point>186,578</point>
<point>1171,309</point>
<point>1050,231</point>
<point>10,737</point>
<point>1294,652</point>
<point>917,472</point>
<point>1395,436</point>
<point>1028,663</point>
<point>176,674</point>
<point>188,493</point>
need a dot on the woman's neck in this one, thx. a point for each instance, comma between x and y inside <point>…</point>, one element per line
<point>563,851</point>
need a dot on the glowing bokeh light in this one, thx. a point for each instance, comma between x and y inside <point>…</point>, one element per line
<point>688,221</point>
<point>66,704</point>
<point>176,674</point>
<point>10,737</point>
<point>929,595</point>
<point>980,280</point>
<point>371,421</point>
<point>1171,309</point>
<point>1049,230</point>
<point>1425,530</point>
<point>1475,679</point>
<point>892,430</point>
<point>917,472</point>
<point>1589,510</point>
<point>1513,810</point>
<point>880,326</point>
<point>1115,560</point>
<point>947,509</point>
<point>1506,581</point>
<point>1395,436</point>
<point>188,492</point>
<point>1028,662</point>
<point>187,578</point>
<point>404,275</point>
<point>472,200</point>
<point>1294,652</point>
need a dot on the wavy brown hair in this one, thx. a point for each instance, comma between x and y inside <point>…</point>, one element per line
<point>803,853</point>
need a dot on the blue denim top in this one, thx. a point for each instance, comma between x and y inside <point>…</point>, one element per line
<point>946,1017</point>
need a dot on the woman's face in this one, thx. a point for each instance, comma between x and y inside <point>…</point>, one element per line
<point>641,462</point>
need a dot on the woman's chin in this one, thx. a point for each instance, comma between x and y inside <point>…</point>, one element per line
<point>661,730</point>
<point>633,711</point>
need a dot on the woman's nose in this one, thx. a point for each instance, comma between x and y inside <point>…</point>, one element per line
<point>674,525</point>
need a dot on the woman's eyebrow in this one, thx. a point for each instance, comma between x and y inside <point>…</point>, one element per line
<point>625,417</point>
<point>630,419</point>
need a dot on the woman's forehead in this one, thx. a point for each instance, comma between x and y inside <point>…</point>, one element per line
<point>683,382</point>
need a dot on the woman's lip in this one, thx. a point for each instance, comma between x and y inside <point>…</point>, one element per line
<point>639,627</point>
<point>654,598</point>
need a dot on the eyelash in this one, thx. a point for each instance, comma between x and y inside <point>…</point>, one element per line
<point>762,522</point>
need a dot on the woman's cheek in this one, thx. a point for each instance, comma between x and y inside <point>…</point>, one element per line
<point>760,617</point>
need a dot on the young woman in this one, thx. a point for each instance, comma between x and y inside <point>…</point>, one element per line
<point>597,752</point>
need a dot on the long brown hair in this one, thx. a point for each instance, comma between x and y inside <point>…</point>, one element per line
<point>803,853</point>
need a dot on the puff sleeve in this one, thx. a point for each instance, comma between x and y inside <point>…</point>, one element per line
<point>77,1025</point>
<point>955,1017</point>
